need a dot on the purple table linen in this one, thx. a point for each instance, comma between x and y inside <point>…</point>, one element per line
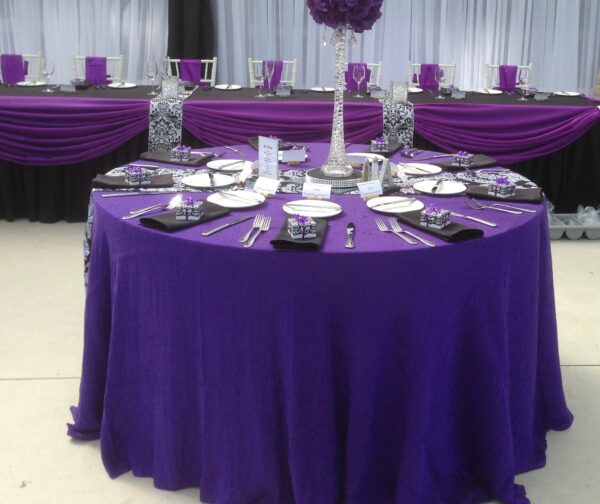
<point>13,68</point>
<point>191,70</point>
<point>95,70</point>
<point>507,78</point>
<point>427,76</point>
<point>323,387</point>
<point>349,76</point>
<point>277,70</point>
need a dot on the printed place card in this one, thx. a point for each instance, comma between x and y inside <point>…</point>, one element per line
<point>458,95</point>
<point>268,164</point>
<point>266,185</point>
<point>293,155</point>
<point>246,172</point>
<point>318,190</point>
<point>283,91</point>
<point>372,187</point>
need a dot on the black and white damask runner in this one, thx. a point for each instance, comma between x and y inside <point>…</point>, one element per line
<point>166,121</point>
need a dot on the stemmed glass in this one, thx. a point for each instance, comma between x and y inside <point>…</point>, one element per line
<point>47,71</point>
<point>440,78</point>
<point>358,74</point>
<point>151,69</point>
<point>523,84</point>
<point>269,69</point>
<point>257,69</point>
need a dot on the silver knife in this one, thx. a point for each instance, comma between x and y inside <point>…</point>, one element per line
<point>237,197</point>
<point>437,186</point>
<point>350,230</point>
<point>407,202</point>
<point>134,193</point>
<point>211,177</point>
<point>224,226</point>
<point>476,219</point>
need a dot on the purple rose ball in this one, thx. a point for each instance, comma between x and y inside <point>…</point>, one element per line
<point>360,15</point>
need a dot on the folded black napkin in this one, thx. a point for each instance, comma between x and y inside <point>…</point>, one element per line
<point>119,182</point>
<point>253,141</point>
<point>524,194</point>
<point>479,161</point>
<point>167,221</point>
<point>165,157</point>
<point>453,232</point>
<point>393,147</point>
<point>283,240</point>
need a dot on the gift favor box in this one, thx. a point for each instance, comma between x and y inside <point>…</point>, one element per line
<point>462,159</point>
<point>189,209</point>
<point>434,217</point>
<point>379,144</point>
<point>136,175</point>
<point>502,188</point>
<point>181,153</point>
<point>300,227</point>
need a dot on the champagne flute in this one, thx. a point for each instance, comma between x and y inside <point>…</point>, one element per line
<point>358,74</point>
<point>151,68</point>
<point>440,78</point>
<point>257,69</point>
<point>523,84</point>
<point>269,69</point>
<point>47,71</point>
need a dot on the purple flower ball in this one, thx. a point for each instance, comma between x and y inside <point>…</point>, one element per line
<point>360,15</point>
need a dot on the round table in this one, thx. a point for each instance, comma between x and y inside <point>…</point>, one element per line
<point>388,373</point>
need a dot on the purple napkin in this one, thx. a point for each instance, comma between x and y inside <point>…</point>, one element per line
<point>427,76</point>
<point>13,68</point>
<point>191,70</point>
<point>95,70</point>
<point>351,83</point>
<point>277,70</point>
<point>507,76</point>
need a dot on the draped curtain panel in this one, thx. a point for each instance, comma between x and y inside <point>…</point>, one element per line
<point>560,37</point>
<point>136,29</point>
<point>190,29</point>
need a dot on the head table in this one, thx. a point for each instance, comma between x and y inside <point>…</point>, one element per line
<point>388,373</point>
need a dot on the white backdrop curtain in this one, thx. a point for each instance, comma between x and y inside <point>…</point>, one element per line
<point>560,37</point>
<point>136,29</point>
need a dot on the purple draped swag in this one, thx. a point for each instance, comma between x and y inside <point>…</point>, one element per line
<point>95,70</point>
<point>277,71</point>
<point>13,68</point>
<point>427,76</point>
<point>507,78</point>
<point>351,84</point>
<point>191,70</point>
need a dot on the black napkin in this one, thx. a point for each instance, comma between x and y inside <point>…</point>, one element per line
<point>119,182</point>
<point>167,221</point>
<point>453,232</point>
<point>253,141</point>
<point>393,147</point>
<point>283,240</point>
<point>479,161</point>
<point>165,157</point>
<point>524,194</point>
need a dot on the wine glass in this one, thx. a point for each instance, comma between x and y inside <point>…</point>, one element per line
<point>257,70</point>
<point>47,71</point>
<point>358,74</point>
<point>151,69</point>
<point>440,78</point>
<point>523,83</point>
<point>269,69</point>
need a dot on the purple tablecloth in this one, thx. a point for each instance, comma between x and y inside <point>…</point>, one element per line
<point>384,374</point>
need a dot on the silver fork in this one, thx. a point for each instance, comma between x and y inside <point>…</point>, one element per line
<point>255,225</point>
<point>473,203</point>
<point>264,227</point>
<point>396,227</point>
<point>166,206</point>
<point>382,227</point>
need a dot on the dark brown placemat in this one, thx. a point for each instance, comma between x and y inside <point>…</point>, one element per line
<point>283,240</point>
<point>165,157</point>
<point>167,221</point>
<point>453,232</point>
<point>119,182</point>
<point>524,194</point>
<point>479,161</point>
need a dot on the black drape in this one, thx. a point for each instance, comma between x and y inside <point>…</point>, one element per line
<point>190,29</point>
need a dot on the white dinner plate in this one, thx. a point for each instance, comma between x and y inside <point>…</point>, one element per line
<point>419,168</point>
<point>414,89</point>
<point>122,85</point>
<point>360,157</point>
<point>320,89</point>
<point>489,91</point>
<point>566,93</point>
<point>228,165</point>
<point>312,208</point>
<point>202,180</point>
<point>236,199</point>
<point>228,87</point>
<point>394,204</point>
<point>31,84</point>
<point>446,188</point>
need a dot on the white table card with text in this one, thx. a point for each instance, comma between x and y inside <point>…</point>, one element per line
<point>268,164</point>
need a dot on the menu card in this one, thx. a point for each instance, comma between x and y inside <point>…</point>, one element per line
<point>268,163</point>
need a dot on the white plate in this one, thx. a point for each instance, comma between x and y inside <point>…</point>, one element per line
<point>566,93</point>
<point>226,166</point>
<point>414,89</point>
<point>447,187</point>
<point>319,89</point>
<point>122,85</point>
<point>359,157</point>
<point>228,87</point>
<point>312,208</point>
<point>489,91</point>
<point>419,168</point>
<point>236,199</point>
<point>202,180</point>
<point>397,204</point>
<point>31,84</point>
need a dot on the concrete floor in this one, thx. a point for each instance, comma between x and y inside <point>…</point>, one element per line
<point>41,325</point>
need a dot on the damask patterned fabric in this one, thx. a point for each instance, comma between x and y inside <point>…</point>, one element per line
<point>166,120</point>
<point>399,122</point>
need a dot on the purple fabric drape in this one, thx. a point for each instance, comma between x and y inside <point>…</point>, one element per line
<point>526,132</point>
<point>277,70</point>
<point>191,70</point>
<point>507,78</point>
<point>351,83</point>
<point>427,76</point>
<point>13,68</point>
<point>51,131</point>
<point>95,70</point>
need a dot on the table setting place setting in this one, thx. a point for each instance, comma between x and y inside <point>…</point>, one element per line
<point>409,194</point>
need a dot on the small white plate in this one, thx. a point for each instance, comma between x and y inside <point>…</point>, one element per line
<point>228,87</point>
<point>312,208</point>
<point>419,168</point>
<point>236,199</point>
<point>566,93</point>
<point>414,89</point>
<point>489,91</point>
<point>446,188</point>
<point>202,180</point>
<point>394,204</point>
<point>31,84</point>
<point>226,165</point>
<point>122,85</point>
<point>359,157</point>
<point>319,89</point>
